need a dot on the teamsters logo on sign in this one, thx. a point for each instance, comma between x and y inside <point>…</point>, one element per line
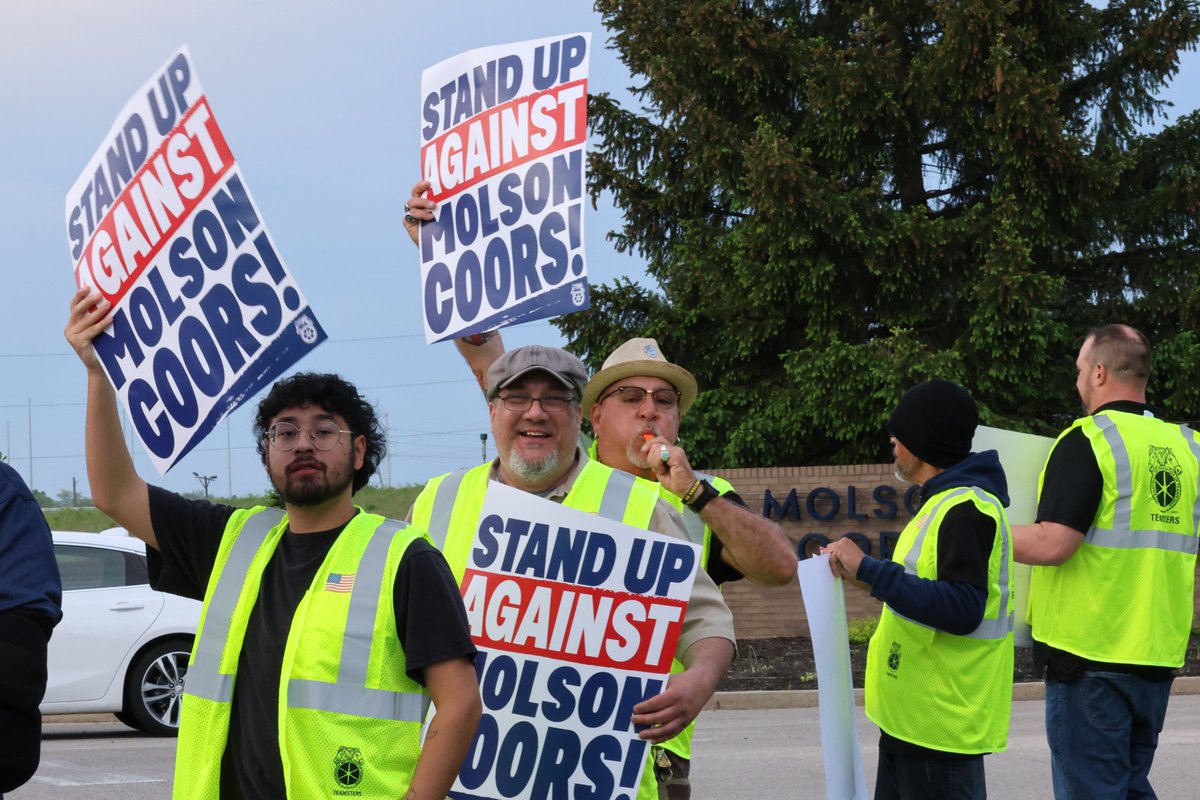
<point>161,223</point>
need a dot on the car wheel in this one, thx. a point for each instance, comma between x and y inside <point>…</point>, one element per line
<point>154,687</point>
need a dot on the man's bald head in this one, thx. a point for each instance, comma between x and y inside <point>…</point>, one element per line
<point>1122,350</point>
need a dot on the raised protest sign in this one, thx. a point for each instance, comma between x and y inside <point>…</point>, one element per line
<point>162,224</point>
<point>503,134</point>
<point>576,618</point>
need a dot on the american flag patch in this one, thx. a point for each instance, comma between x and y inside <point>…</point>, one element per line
<point>339,583</point>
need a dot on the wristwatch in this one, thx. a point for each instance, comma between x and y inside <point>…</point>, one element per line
<point>701,498</point>
<point>477,339</point>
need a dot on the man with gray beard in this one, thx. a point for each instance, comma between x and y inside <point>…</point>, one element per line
<point>535,394</point>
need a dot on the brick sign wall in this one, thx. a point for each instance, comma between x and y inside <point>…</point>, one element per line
<point>812,504</point>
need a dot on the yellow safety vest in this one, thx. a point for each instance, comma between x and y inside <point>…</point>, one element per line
<point>698,533</point>
<point>1139,555</point>
<point>450,505</point>
<point>349,716</point>
<point>937,689</point>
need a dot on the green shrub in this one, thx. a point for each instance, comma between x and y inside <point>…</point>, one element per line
<point>861,629</point>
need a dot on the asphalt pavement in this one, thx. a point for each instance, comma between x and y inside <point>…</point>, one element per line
<point>776,753</point>
<point>739,754</point>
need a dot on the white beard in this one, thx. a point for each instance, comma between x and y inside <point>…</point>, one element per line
<point>533,471</point>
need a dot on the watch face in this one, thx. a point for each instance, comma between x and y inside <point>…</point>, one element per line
<point>705,493</point>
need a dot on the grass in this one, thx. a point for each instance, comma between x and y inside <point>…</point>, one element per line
<point>754,666</point>
<point>392,502</point>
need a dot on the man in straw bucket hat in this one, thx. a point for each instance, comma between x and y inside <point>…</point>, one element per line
<point>635,404</point>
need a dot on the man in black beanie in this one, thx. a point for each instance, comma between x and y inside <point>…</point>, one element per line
<point>940,665</point>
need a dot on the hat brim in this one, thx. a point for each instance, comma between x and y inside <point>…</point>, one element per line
<point>566,382</point>
<point>683,381</point>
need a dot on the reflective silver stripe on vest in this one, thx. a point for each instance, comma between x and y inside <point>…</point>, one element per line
<point>617,490</point>
<point>350,695</point>
<point>1121,535</point>
<point>357,700</point>
<point>914,552</point>
<point>1002,625</point>
<point>443,507</point>
<point>1123,509</point>
<point>1149,540</point>
<point>364,605</point>
<point>204,678</point>
<point>1190,436</point>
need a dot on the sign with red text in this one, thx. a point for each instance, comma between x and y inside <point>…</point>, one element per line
<point>576,618</point>
<point>503,139</point>
<point>161,222</point>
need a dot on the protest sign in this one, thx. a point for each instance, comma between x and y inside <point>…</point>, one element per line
<point>161,223</point>
<point>576,618</point>
<point>503,136</point>
<point>825,609</point>
<point>1022,455</point>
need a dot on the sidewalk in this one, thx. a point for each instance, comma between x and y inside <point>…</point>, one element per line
<point>776,753</point>
<point>807,698</point>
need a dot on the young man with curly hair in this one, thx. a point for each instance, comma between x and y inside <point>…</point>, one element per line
<point>326,631</point>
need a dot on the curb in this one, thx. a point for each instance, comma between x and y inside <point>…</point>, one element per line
<point>807,698</point>
<point>51,719</point>
<point>745,701</point>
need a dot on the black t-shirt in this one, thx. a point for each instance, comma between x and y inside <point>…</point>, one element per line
<point>1071,493</point>
<point>965,540</point>
<point>430,622</point>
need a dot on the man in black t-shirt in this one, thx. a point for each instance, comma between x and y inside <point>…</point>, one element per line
<point>295,599</point>
<point>1114,549</point>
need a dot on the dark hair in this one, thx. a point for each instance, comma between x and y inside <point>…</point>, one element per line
<point>1123,350</point>
<point>335,395</point>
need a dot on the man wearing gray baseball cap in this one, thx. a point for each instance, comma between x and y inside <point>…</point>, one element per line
<point>534,394</point>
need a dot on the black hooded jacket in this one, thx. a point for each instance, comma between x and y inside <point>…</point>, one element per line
<point>953,603</point>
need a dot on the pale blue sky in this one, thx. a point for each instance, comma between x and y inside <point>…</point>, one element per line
<point>319,103</point>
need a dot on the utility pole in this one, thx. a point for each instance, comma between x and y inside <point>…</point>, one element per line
<point>29,400</point>
<point>74,492</point>
<point>483,446</point>
<point>205,480</point>
<point>387,426</point>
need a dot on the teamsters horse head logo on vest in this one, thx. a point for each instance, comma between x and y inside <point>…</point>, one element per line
<point>347,769</point>
<point>1165,471</point>
<point>893,660</point>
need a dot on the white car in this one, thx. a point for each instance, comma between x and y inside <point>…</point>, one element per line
<point>121,646</point>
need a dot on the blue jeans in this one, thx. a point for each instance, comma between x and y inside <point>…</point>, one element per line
<point>1102,730</point>
<point>908,776</point>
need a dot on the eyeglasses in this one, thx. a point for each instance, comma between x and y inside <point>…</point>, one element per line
<point>664,399</point>
<point>551,403</point>
<point>285,436</point>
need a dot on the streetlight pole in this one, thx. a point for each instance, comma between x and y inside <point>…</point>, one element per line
<point>205,480</point>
